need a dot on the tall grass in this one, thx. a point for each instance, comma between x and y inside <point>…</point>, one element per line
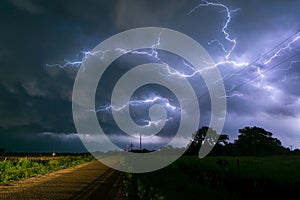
<point>24,168</point>
<point>219,178</point>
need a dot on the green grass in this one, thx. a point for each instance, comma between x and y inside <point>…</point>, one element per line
<point>273,168</point>
<point>192,178</point>
<point>25,167</point>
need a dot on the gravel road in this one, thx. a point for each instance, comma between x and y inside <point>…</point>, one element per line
<point>88,181</point>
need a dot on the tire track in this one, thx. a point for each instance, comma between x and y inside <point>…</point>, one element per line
<point>105,187</point>
<point>89,181</point>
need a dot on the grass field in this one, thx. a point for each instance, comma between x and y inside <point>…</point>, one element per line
<point>15,168</point>
<point>219,178</point>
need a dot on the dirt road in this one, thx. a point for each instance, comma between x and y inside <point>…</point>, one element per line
<point>88,181</point>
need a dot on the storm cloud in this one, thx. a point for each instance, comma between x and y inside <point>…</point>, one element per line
<point>36,100</point>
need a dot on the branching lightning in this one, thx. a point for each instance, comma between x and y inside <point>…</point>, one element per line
<point>84,56</point>
<point>167,70</point>
<point>154,54</point>
<point>136,103</point>
<point>283,49</point>
<point>224,31</point>
<point>164,102</point>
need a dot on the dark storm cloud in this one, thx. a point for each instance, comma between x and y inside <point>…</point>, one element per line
<point>35,99</point>
<point>20,110</point>
<point>146,13</point>
<point>28,6</point>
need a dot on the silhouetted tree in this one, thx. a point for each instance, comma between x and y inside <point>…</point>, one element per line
<point>219,141</point>
<point>222,146</point>
<point>198,138</point>
<point>223,140</point>
<point>296,151</point>
<point>257,141</point>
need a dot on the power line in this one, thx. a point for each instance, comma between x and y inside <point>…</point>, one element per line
<point>269,69</point>
<point>254,61</point>
<point>264,55</point>
<point>278,45</point>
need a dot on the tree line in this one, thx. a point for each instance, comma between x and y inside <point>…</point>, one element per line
<point>251,141</point>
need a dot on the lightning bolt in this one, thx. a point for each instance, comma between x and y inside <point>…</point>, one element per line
<point>136,103</point>
<point>283,49</point>
<point>258,63</point>
<point>84,56</point>
<point>235,94</point>
<point>224,31</point>
<point>166,70</point>
<point>155,123</point>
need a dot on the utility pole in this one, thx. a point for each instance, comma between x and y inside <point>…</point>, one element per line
<point>131,145</point>
<point>140,141</point>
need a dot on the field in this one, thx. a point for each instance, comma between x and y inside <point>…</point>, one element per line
<point>219,178</point>
<point>18,167</point>
<point>213,177</point>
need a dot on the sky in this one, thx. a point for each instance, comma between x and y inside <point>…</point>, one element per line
<point>254,43</point>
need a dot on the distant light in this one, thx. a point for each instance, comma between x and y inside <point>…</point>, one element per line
<point>53,154</point>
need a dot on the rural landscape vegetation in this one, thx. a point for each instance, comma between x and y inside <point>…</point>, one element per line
<point>254,166</point>
<point>15,166</point>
